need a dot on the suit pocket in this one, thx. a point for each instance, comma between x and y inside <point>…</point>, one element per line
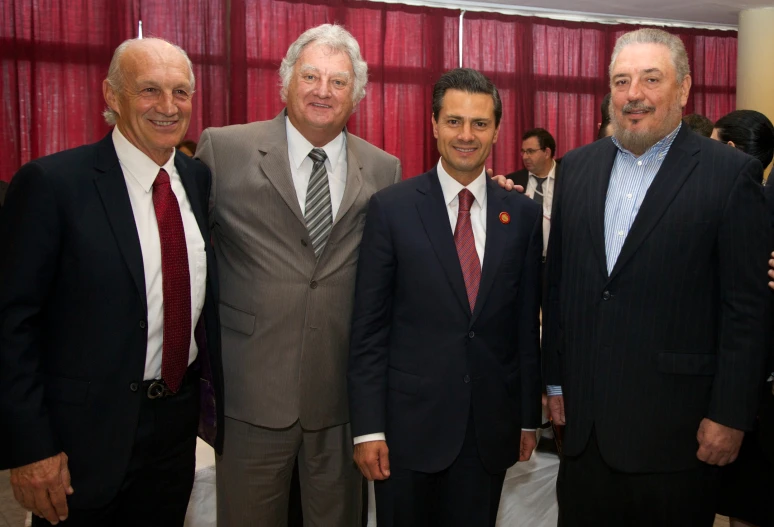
<point>687,363</point>
<point>236,319</point>
<point>402,382</point>
<point>64,390</point>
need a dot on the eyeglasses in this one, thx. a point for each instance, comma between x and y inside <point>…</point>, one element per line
<point>531,151</point>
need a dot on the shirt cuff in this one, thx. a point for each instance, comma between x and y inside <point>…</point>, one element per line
<point>553,390</point>
<point>369,437</point>
<point>528,429</point>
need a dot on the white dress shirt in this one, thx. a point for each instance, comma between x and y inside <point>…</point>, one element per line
<point>301,166</point>
<point>548,199</point>
<point>451,189</point>
<point>140,172</point>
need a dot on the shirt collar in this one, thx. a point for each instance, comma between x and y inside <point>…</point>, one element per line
<point>451,187</point>
<point>299,147</point>
<point>551,173</point>
<point>657,151</point>
<point>142,168</point>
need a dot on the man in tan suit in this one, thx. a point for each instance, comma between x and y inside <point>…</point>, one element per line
<point>287,208</point>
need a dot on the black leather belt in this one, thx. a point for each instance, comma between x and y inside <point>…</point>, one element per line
<point>158,389</point>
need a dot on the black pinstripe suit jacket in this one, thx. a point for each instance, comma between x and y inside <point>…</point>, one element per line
<point>675,333</point>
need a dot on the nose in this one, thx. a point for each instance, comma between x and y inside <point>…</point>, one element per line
<point>322,89</point>
<point>466,133</point>
<point>634,93</point>
<point>166,104</point>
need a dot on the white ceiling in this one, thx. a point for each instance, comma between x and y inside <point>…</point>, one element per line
<point>698,13</point>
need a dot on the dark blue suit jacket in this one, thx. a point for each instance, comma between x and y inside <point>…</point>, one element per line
<point>675,333</point>
<point>420,360</point>
<point>73,317</point>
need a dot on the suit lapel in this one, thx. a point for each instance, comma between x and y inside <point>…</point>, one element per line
<point>276,165</point>
<point>675,169</point>
<point>189,184</point>
<point>496,237</point>
<point>597,188</point>
<point>435,219</point>
<point>111,187</point>
<point>354,181</point>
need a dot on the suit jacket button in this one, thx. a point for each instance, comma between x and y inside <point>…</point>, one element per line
<point>142,324</point>
<point>471,334</point>
<point>466,378</point>
<point>313,284</point>
<point>303,242</point>
<point>134,386</point>
<point>606,295</point>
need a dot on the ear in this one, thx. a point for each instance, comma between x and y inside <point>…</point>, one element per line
<point>111,98</point>
<point>685,89</point>
<point>496,134</point>
<point>435,126</point>
<point>731,143</point>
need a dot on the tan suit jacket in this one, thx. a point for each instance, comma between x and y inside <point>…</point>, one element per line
<point>285,315</point>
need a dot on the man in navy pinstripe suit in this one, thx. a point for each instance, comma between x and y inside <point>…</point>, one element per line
<point>654,328</point>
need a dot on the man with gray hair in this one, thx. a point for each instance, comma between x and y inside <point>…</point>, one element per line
<point>108,309</point>
<point>287,209</point>
<point>656,318</point>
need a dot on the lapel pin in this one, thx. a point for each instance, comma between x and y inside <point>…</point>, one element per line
<point>505,218</point>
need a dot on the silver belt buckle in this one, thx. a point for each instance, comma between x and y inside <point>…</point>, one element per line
<point>157,389</point>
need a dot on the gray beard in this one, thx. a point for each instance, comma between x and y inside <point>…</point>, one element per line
<point>639,142</point>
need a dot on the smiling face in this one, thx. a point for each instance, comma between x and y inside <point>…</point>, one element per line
<point>647,99</point>
<point>465,131</point>
<point>320,93</point>
<point>153,105</point>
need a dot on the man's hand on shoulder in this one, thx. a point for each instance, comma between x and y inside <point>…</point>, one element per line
<point>718,444</point>
<point>373,460</point>
<point>42,487</point>
<point>504,182</point>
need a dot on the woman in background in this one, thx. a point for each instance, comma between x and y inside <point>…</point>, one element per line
<point>747,484</point>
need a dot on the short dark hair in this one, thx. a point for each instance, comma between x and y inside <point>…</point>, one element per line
<point>751,132</point>
<point>190,145</point>
<point>699,124</point>
<point>545,139</point>
<point>468,81</point>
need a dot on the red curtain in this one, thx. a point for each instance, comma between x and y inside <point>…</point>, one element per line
<point>553,74</point>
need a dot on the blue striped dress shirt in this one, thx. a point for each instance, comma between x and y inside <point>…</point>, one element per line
<point>629,183</point>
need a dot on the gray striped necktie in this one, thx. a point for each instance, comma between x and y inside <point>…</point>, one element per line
<point>319,219</point>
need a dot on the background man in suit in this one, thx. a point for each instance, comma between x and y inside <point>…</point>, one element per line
<point>654,330</point>
<point>287,209</point>
<point>539,174</point>
<point>439,370</point>
<point>108,310</point>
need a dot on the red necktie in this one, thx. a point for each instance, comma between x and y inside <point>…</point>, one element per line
<point>176,283</point>
<point>466,247</point>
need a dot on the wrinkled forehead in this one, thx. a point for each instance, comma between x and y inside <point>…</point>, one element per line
<point>315,54</point>
<point>152,59</point>
<point>638,58</point>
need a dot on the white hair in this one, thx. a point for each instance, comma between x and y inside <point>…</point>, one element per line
<point>338,39</point>
<point>656,36</point>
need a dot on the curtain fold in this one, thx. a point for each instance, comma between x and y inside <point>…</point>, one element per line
<point>552,74</point>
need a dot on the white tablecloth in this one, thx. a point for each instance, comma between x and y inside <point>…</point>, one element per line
<point>528,498</point>
<point>201,507</point>
<point>529,492</point>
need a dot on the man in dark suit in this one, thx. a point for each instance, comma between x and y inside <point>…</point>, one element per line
<point>110,334</point>
<point>438,369</point>
<point>538,177</point>
<point>654,329</point>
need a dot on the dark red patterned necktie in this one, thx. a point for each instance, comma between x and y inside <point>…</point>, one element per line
<point>466,247</point>
<point>176,283</point>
